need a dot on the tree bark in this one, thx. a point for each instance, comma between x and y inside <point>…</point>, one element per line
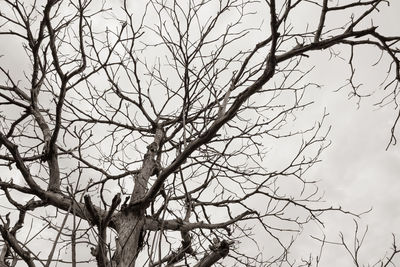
<point>131,219</point>
<point>220,250</point>
<point>130,239</point>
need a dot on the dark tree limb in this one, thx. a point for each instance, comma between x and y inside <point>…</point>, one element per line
<point>219,250</point>
<point>13,243</point>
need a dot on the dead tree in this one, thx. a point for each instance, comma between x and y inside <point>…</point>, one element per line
<point>142,130</point>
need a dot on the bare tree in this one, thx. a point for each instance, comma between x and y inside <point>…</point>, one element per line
<point>141,130</point>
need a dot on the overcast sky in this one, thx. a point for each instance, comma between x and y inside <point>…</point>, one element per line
<point>356,172</point>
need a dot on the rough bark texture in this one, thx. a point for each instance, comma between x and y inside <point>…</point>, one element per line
<point>130,236</point>
<point>131,219</point>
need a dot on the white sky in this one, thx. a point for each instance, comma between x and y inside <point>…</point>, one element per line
<point>356,172</point>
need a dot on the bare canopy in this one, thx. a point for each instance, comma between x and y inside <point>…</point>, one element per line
<point>139,133</point>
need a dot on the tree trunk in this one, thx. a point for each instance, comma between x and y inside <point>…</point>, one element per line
<point>131,219</point>
<point>130,239</point>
